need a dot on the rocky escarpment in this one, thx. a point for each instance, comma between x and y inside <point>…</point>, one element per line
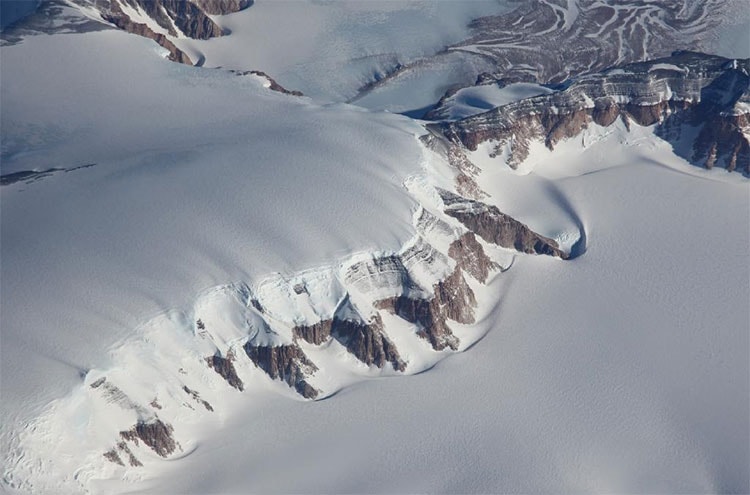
<point>165,21</point>
<point>453,299</point>
<point>287,363</point>
<point>396,312</point>
<point>155,434</point>
<point>224,366</point>
<point>466,172</point>
<point>493,226</point>
<point>553,41</point>
<point>675,94</point>
<point>116,17</point>
<point>222,7</point>
<point>368,342</point>
<point>471,258</point>
<point>365,340</point>
<point>272,84</point>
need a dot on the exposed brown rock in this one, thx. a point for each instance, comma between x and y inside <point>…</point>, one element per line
<point>498,228</point>
<point>112,456</point>
<point>466,172</point>
<point>471,258</point>
<point>605,112</point>
<point>368,342</point>
<point>155,434</point>
<point>224,366</point>
<point>722,141</point>
<point>189,18</point>
<point>316,333</point>
<point>287,363</point>
<point>222,7</point>
<point>119,19</point>
<point>273,85</point>
<point>196,396</point>
<point>684,90</point>
<point>453,299</point>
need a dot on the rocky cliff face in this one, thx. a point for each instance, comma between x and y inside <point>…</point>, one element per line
<point>272,84</point>
<point>222,7</point>
<point>368,342</point>
<point>686,90</point>
<point>286,363</point>
<point>166,20</point>
<point>224,367</point>
<point>498,228</point>
<point>155,434</point>
<point>471,258</point>
<point>452,299</point>
<point>118,18</point>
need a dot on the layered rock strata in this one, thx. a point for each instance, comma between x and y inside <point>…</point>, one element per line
<point>493,226</point>
<point>287,363</point>
<point>674,94</point>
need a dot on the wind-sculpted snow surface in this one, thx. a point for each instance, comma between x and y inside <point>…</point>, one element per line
<point>261,180</point>
<point>219,245</point>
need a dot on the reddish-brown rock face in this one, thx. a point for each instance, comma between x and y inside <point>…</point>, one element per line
<point>190,17</point>
<point>155,434</point>
<point>287,363</point>
<point>224,367</point>
<point>498,228</point>
<point>453,299</point>
<point>222,7</point>
<point>471,258</point>
<point>686,89</point>
<point>368,343</point>
<point>316,333</point>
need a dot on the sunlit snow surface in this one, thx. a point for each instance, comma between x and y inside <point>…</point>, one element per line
<point>330,49</point>
<point>200,178</point>
<point>624,370</point>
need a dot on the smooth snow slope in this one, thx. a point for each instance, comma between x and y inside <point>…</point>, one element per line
<point>201,178</point>
<point>329,50</point>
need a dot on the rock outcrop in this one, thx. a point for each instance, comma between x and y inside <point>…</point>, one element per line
<point>222,7</point>
<point>118,18</point>
<point>682,91</point>
<point>317,333</point>
<point>286,363</point>
<point>155,434</point>
<point>498,228</point>
<point>272,84</point>
<point>367,342</point>
<point>471,258</point>
<point>224,367</point>
<point>171,19</point>
<point>453,299</point>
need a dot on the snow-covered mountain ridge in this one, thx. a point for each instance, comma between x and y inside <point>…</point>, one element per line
<point>184,246</point>
<point>371,314</point>
<point>681,95</point>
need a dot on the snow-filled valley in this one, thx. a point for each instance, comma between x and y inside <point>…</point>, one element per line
<point>211,285</point>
